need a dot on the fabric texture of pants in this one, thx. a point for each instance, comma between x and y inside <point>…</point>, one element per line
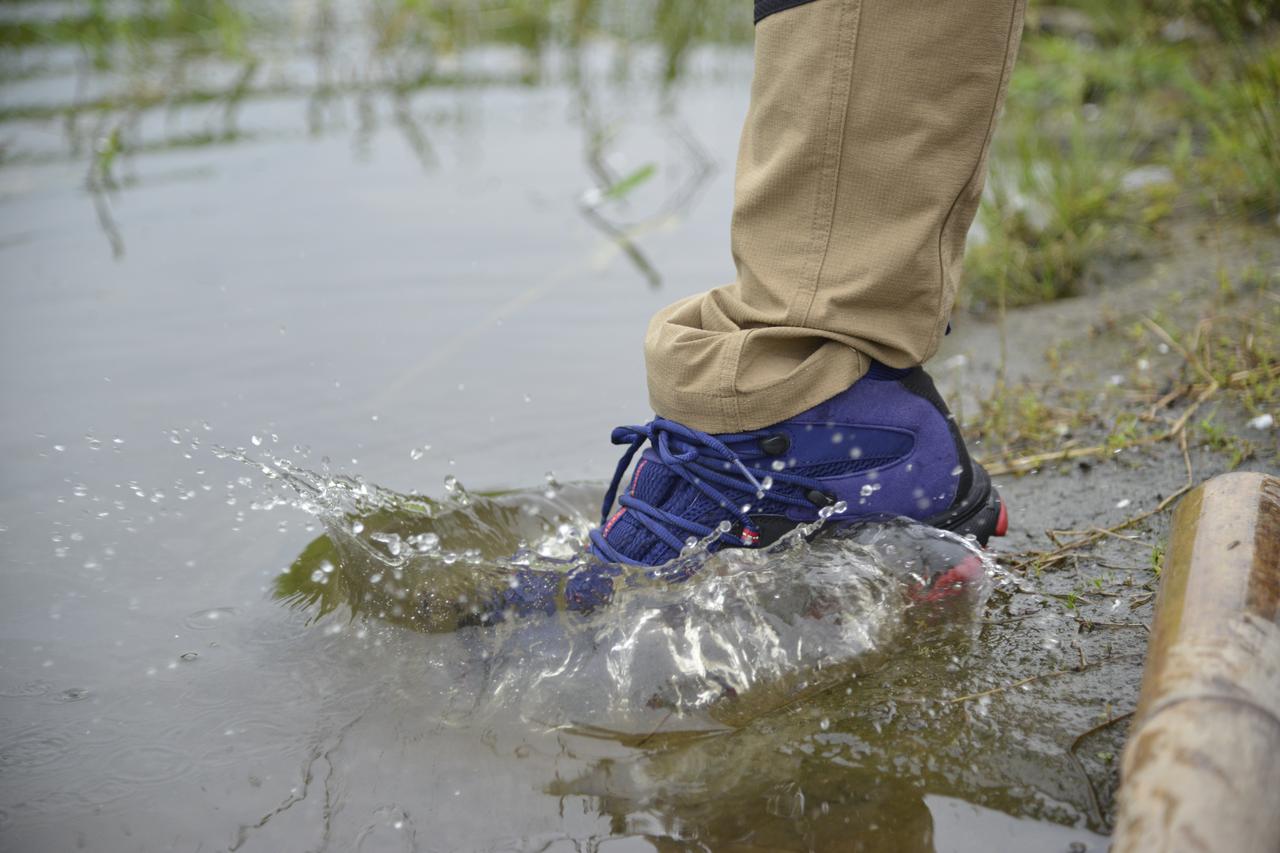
<point>861,165</point>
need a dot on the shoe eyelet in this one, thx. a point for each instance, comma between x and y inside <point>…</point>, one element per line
<point>776,444</point>
<point>819,499</point>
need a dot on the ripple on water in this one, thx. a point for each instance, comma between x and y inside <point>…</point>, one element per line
<point>94,734</point>
<point>34,747</point>
<point>26,690</point>
<point>72,694</point>
<point>270,634</point>
<point>231,738</point>
<point>148,765</point>
<point>206,620</point>
<point>390,830</point>
<point>103,792</point>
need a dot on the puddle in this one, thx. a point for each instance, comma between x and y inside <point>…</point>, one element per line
<point>424,239</point>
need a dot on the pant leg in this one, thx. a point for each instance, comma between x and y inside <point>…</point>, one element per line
<point>860,169</point>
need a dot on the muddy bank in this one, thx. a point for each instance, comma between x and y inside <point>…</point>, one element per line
<point>1082,614</point>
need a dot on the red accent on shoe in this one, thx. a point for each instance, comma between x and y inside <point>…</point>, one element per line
<point>635,478</point>
<point>1002,522</point>
<point>951,582</point>
<point>613,520</point>
<point>749,537</point>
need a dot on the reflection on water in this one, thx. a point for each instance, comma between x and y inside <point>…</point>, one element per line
<point>126,79</point>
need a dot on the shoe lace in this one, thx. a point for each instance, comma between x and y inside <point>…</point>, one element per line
<point>707,463</point>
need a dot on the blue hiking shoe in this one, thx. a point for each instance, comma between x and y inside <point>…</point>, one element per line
<point>887,446</point>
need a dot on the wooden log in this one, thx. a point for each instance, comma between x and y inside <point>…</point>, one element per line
<point>1201,769</point>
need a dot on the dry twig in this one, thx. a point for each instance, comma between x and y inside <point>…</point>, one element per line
<point>1084,774</point>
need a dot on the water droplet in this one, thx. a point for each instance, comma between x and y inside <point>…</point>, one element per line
<point>357,527</point>
<point>391,540</point>
<point>256,440</point>
<point>778,465</point>
<point>855,453</point>
<point>424,542</point>
<point>457,492</point>
<point>415,453</point>
<point>868,489</point>
<point>824,724</point>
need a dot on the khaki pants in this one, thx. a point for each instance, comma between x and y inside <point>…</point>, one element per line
<point>860,168</point>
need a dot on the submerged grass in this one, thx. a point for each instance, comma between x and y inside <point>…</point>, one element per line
<point>1122,117</point>
<point>99,26</point>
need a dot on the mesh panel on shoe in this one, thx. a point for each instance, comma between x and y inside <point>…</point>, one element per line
<point>841,468</point>
<point>661,487</point>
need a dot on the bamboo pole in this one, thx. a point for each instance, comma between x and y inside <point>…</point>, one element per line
<point>1201,769</point>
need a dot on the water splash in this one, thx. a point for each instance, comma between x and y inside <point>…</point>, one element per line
<point>712,638</point>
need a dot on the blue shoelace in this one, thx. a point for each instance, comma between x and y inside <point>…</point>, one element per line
<point>704,462</point>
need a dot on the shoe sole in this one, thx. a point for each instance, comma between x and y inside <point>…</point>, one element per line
<point>980,514</point>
